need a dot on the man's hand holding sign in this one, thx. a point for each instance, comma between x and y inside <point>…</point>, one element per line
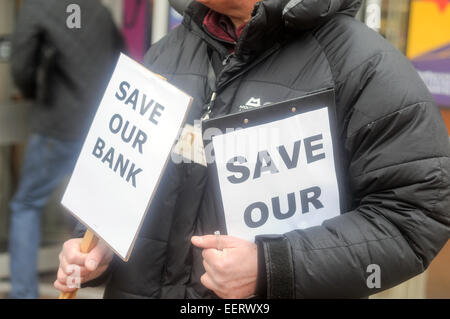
<point>274,174</point>
<point>231,272</point>
<point>119,168</point>
<point>89,266</point>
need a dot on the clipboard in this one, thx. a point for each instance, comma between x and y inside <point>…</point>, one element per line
<point>266,115</point>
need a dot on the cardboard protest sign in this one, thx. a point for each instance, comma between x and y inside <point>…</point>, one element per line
<point>276,174</point>
<point>125,153</point>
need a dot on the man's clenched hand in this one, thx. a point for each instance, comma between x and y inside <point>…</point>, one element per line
<point>85,267</point>
<point>232,272</point>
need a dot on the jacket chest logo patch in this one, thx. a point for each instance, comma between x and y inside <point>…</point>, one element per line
<point>251,104</point>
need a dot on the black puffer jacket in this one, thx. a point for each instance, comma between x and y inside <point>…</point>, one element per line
<point>395,152</point>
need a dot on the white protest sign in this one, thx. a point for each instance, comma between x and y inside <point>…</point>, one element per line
<point>125,153</point>
<point>279,176</point>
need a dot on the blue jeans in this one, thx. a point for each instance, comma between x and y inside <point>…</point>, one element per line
<point>47,161</point>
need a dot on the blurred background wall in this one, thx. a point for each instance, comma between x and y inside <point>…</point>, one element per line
<point>418,28</point>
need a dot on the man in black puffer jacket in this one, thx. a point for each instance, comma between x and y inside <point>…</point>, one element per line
<point>395,153</point>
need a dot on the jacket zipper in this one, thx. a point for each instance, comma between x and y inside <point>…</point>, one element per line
<point>227,59</point>
<point>249,67</point>
<point>214,93</point>
<point>216,38</point>
<point>210,106</point>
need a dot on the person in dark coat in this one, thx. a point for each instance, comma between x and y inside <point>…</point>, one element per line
<point>62,55</point>
<point>394,149</point>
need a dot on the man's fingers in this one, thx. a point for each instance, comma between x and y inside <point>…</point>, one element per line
<point>77,267</point>
<point>208,282</point>
<point>69,269</point>
<point>63,288</point>
<point>207,241</point>
<point>215,276</point>
<point>72,254</point>
<point>211,241</point>
<point>214,257</point>
<point>61,276</point>
<point>66,283</point>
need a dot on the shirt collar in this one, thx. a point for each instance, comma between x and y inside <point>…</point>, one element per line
<point>221,27</point>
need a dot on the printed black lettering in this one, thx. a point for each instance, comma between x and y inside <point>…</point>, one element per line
<point>128,138</point>
<point>136,97</point>
<point>123,91</point>
<point>115,124</point>
<point>306,199</point>
<point>259,168</point>
<point>132,175</point>
<point>98,148</point>
<point>291,207</point>
<point>248,215</point>
<point>290,162</point>
<point>140,139</point>
<point>132,99</point>
<point>155,112</point>
<point>309,148</point>
<point>145,108</point>
<point>109,157</point>
<point>241,169</point>
<point>120,164</point>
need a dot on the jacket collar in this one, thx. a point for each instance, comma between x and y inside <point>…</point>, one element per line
<point>221,27</point>
<point>300,15</point>
<point>274,20</point>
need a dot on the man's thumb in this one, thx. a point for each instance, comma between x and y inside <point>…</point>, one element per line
<point>94,257</point>
<point>212,241</point>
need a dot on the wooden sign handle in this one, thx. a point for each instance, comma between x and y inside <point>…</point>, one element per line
<point>87,244</point>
